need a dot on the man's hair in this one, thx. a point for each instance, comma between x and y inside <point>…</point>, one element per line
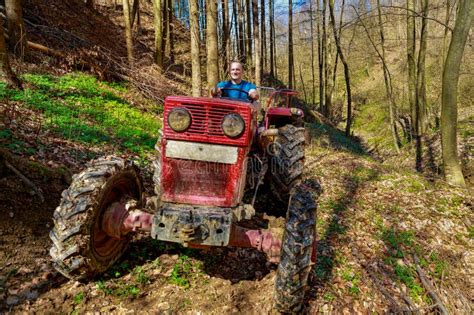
<point>236,61</point>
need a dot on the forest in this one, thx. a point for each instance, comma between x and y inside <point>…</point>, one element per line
<point>384,89</point>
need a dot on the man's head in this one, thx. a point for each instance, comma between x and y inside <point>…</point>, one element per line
<point>236,71</point>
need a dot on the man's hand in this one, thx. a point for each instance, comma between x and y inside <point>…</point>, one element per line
<point>216,91</point>
<point>253,94</point>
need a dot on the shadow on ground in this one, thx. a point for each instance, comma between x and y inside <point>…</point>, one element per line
<point>333,237</point>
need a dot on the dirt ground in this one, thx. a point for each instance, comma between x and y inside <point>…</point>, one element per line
<point>353,273</point>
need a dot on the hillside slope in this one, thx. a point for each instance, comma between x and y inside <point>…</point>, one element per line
<point>372,220</point>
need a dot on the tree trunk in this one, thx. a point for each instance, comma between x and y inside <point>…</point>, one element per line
<point>11,78</point>
<point>346,68</point>
<point>321,63</point>
<point>313,85</point>
<point>302,84</point>
<point>16,28</point>
<point>225,48</point>
<point>170,30</point>
<point>449,113</point>
<point>272,39</point>
<point>212,47</point>
<point>135,10</point>
<point>203,19</point>
<point>240,16</point>
<point>325,53</point>
<point>158,24</point>
<point>446,30</point>
<point>420,105</point>
<point>263,36</point>
<point>195,57</point>
<point>257,39</point>
<point>290,45</point>
<point>248,41</point>
<point>387,78</point>
<point>336,62</point>
<point>328,76</point>
<point>411,47</point>
<point>128,32</point>
<point>165,27</point>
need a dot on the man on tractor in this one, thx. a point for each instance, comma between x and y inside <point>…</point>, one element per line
<point>236,88</point>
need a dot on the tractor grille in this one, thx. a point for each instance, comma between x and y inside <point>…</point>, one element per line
<point>206,123</point>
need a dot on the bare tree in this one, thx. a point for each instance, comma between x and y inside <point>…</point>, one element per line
<point>248,41</point>
<point>411,47</point>
<point>263,41</point>
<point>272,38</point>
<point>290,45</point>
<point>195,58</point>
<point>169,29</point>
<point>420,97</point>
<point>346,68</point>
<point>225,43</point>
<point>10,76</point>
<point>158,25</point>
<point>313,85</point>
<point>212,44</point>
<point>128,31</point>
<point>321,58</point>
<point>257,50</point>
<point>449,114</point>
<point>16,28</point>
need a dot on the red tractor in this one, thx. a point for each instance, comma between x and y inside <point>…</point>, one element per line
<point>211,151</point>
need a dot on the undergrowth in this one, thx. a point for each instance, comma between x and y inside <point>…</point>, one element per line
<point>79,108</point>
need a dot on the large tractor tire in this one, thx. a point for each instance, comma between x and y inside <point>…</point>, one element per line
<point>296,252</point>
<point>287,163</point>
<point>81,249</point>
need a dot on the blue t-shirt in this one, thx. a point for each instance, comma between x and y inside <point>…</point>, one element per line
<point>243,85</point>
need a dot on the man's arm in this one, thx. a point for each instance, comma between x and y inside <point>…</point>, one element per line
<point>252,90</point>
<point>253,94</point>
<point>216,91</point>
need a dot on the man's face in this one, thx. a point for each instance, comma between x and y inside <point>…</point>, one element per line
<point>236,71</point>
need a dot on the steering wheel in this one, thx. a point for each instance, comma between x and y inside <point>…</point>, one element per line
<point>239,90</point>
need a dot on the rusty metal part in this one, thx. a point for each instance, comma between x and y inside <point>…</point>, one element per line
<point>263,241</point>
<point>242,212</point>
<point>193,225</point>
<point>121,218</point>
<point>261,176</point>
<point>271,132</point>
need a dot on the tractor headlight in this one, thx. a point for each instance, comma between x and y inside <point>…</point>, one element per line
<point>179,119</point>
<point>233,125</point>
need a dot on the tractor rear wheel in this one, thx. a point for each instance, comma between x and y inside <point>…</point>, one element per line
<point>287,163</point>
<point>81,249</point>
<point>296,252</point>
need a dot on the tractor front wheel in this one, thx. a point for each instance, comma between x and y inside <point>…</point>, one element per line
<point>296,252</point>
<point>81,248</point>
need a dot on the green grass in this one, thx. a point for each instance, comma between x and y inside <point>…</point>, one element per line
<point>181,272</point>
<point>337,139</point>
<point>78,298</point>
<point>79,108</point>
<point>397,240</point>
<point>371,121</point>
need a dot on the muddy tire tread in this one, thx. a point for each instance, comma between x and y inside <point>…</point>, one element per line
<point>287,168</point>
<point>71,250</point>
<point>295,260</point>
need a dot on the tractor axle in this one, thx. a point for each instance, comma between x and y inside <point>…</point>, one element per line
<point>121,218</point>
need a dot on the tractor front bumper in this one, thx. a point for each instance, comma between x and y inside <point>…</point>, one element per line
<point>186,224</point>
